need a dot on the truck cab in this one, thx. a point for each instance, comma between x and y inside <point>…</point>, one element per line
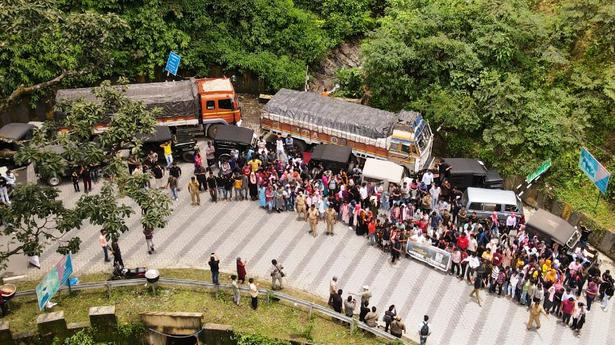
<point>410,143</point>
<point>218,103</point>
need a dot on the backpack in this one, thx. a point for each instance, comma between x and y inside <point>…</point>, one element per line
<point>424,330</point>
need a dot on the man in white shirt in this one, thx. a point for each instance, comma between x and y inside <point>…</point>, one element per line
<point>427,178</point>
<point>473,263</point>
<point>364,194</point>
<point>279,149</point>
<point>511,221</point>
<point>332,289</point>
<point>435,195</point>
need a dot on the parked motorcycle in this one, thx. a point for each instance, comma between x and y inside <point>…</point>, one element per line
<point>120,272</point>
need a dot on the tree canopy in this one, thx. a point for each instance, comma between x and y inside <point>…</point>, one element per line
<point>37,216</point>
<point>511,81</point>
<point>77,42</point>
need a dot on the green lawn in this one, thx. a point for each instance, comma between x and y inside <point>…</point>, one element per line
<point>273,320</point>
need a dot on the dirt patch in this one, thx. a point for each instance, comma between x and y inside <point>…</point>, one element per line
<point>346,55</point>
<point>250,111</point>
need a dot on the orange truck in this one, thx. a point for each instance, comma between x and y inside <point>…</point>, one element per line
<point>404,138</point>
<point>199,103</point>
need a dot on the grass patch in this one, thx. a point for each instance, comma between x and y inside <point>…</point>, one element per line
<point>583,199</point>
<point>275,320</point>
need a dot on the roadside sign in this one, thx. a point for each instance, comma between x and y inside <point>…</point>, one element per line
<point>173,63</point>
<point>594,170</point>
<point>538,172</point>
<point>58,276</point>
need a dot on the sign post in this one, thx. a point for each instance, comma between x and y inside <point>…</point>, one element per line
<point>534,176</point>
<point>173,63</point>
<point>595,171</point>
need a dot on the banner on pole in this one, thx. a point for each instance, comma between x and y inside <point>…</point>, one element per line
<point>58,276</point>
<point>594,170</point>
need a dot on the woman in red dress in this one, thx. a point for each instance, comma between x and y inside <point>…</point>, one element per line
<point>241,270</point>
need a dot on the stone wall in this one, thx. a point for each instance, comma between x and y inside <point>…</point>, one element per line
<point>104,321</point>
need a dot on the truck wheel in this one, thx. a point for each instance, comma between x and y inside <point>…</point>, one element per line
<point>188,157</point>
<point>53,181</point>
<point>211,131</point>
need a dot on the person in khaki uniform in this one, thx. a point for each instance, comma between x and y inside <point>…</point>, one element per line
<point>312,216</point>
<point>398,327</point>
<point>300,205</point>
<point>331,219</point>
<point>193,188</point>
<point>535,311</point>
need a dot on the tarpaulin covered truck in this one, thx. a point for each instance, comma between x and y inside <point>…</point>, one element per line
<point>404,138</point>
<point>205,103</point>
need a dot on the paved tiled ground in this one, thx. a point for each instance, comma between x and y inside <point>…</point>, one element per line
<point>234,229</point>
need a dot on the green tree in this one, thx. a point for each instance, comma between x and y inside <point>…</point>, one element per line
<point>37,216</point>
<point>42,45</point>
<point>504,80</point>
<point>34,219</point>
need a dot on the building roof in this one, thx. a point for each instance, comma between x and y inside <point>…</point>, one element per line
<point>552,225</point>
<point>491,195</point>
<point>332,113</point>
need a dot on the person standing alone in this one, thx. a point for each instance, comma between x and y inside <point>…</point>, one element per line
<point>424,330</point>
<point>102,241</point>
<point>149,238</point>
<point>276,275</point>
<point>313,219</point>
<point>214,267</point>
<point>235,285</point>
<point>168,152</point>
<point>535,311</point>
<point>193,189</point>
<point>331,219</point>
<point>253,293</point>
<point>117,253</point>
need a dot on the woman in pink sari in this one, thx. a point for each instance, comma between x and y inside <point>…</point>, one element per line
<point>345,212</point>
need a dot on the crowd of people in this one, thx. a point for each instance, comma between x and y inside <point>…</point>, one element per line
<point>492,253</point>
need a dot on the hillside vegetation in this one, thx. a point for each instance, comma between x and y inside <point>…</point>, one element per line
<point>513,82</point>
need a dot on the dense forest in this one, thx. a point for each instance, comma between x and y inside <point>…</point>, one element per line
<point>513,82</point>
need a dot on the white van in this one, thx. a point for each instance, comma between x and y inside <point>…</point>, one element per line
<point>377,170</point>
<point>485,201</point>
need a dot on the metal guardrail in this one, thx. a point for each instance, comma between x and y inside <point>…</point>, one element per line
<point>310,306</point>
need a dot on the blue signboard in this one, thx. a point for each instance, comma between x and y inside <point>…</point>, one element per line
<point>173,63</point>
<point>594,170</point>
<point>58,276</point>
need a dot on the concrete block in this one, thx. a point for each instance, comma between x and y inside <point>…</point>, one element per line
<point>26,338</point>
<point>179,323</point>
<point>217,334</point>
<point>51,324</point>
<point>103,318</point>
<point>5,333</point>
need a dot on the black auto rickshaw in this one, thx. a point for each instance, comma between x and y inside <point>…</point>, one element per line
<point>467,172</point>
<point>229,138</point>
<point>331,157</point>
<point>183,143</point>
